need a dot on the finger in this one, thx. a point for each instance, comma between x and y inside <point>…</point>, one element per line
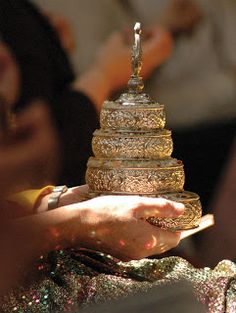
<point>165,240</point>
<point>158,207</point>
<point>159,241</point>
<point>168,240</point>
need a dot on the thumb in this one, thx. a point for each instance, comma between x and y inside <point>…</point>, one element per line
<point>158,207</point>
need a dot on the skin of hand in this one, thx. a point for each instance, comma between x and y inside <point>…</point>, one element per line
<point>111,69</point>
<point>9,76</point>
<point>110,224</point>
<point>117,225</point>
<point>181,16</point>
<point>29,153</point>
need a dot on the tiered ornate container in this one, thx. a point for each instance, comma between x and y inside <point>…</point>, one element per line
<point>133,152</point>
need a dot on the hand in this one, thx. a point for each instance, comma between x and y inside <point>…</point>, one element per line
<point>113,58</point>
<point>110,224</point>
<point>112,66</point>
<point>181,16</point>
<point>117,225</point>
<point>157,48</point>
<point>9,76</point>
<point>29,156</point>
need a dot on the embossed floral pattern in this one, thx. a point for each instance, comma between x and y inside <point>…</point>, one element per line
<point>130,147</point>
<point>135,119</point>
<point>189,219</point>
<point>135,180</point>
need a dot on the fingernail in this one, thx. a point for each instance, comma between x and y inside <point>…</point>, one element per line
<point>180,207</point>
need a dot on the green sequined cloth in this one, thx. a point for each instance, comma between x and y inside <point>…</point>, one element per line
<point>83,277</point>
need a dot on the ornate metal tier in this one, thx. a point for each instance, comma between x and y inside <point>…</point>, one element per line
<point>133,152</point>
<point>134,176</point>
<point>190,218</point>
<point>108,144</point>
<point>117,116</point>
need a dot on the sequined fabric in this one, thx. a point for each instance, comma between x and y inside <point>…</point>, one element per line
<point>83,277</point>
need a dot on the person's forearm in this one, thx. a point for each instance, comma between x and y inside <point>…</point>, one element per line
<point>25,239</point>
<point>94,84</point>
<point>33,201</point>
<point>46,231</point>
<point>102,223</point>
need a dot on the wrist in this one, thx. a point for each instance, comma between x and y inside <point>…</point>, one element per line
<point>70,196</point>
<point>42,204</point>
<point>95,85</point>
<point>50,201</point>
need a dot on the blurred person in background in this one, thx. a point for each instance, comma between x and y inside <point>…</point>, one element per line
<point>197,83</point>
<point>28,143</point>
<point>219,242</point>
<point>45,73</point>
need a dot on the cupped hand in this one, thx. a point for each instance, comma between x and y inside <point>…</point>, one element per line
<point>113,58</point>
<point>117,225</point>
<point>111,68</point>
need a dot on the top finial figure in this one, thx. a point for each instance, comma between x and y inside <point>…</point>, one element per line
<point>137,50</point>
<point>136,83</point>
